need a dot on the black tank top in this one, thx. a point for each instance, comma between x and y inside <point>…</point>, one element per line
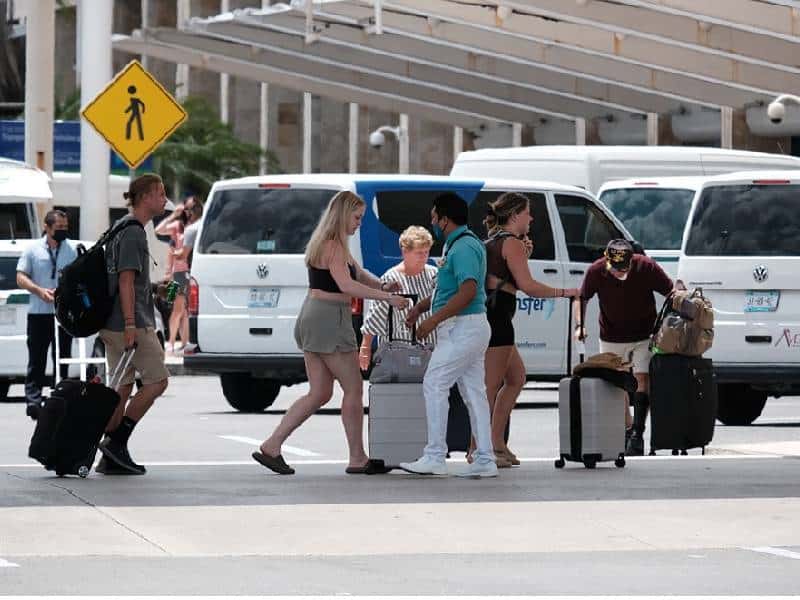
<point>495,263</point>
<point>321,279</point>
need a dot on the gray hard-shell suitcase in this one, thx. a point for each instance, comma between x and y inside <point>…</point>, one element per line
<point>591,423</point>
<point>398,429</point>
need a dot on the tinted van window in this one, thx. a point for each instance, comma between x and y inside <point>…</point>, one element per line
<point>262,221</point>
<point>586,228</point>
<point>14,222</point>
<point>746,220</point>
<point>540,232</point>
<point>655,217</point>
<point>398,210</point>
<point>8,272</point>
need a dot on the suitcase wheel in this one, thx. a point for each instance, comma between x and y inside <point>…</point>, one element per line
<point>674,452</point>
<point>83,471</point>
<point>620,462</point>
<point>559,464</point>
<point>590,463</point>
<point>652,452</point>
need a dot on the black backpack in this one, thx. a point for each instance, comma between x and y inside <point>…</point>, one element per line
<point>83,302</point>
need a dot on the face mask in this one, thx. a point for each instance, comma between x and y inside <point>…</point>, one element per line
<point>438,234</point>
<point>60,235</point>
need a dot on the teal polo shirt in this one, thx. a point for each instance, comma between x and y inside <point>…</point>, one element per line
<point>465,260</point>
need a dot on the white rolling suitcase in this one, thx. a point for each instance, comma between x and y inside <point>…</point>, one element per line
<point>591,417</point>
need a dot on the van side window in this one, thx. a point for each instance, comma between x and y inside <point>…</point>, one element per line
<point>14,222</point>
<point>586,229</point>
<point>398,210</point>
<point>541,232</point>
<point>262,221</point>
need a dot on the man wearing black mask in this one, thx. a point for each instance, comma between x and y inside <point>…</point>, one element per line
<point>37,271</point>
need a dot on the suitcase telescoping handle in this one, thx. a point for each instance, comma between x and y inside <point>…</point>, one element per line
<point>581,344</point>
<point>414,298</point>
<point>115,377</point>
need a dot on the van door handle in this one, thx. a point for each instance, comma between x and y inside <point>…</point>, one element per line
<point>261,331</point>
<point>758,339</point>
<point>551,271</point>
<point>576,272</point>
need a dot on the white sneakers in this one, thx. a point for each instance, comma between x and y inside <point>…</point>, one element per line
<point>425,466</point>
<point>430,466</point>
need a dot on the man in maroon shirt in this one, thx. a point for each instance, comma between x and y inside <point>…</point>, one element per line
<point>624,283</point>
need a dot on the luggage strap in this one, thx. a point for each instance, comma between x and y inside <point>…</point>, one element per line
<point>575,419</point>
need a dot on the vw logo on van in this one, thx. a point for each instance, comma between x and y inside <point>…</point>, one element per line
<point>262,271</point>
<point>760,273</point>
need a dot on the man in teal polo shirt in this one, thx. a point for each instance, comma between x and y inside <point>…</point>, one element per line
<point>462,332</point>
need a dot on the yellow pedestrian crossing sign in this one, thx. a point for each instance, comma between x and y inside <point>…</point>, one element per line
<point>134,113</point>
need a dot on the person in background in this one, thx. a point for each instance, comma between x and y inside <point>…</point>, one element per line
<point>507,222</point>
<point>37,272</point>
<point>324,332</point>
<point>415,276</point>
<point>177,271</point>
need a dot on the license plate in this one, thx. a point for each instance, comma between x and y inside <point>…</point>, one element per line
<point>8,316</point>
<point>263,298</point>
<point>761,301</point>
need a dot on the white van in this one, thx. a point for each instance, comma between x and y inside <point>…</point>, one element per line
<point>741,245</point>
<point>654,210</point>
<point>249,277</point>
<point>591,166</point>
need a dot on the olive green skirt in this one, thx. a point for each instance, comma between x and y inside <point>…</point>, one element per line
<point>325,326</point>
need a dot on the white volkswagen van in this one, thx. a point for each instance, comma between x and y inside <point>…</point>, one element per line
<point>249,277</point>
<point>742,246</point>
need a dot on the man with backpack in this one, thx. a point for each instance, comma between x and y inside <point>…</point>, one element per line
<point>458,314</point>
<point>624,283</point>
<point>132,323</point>
<point>37,271</point>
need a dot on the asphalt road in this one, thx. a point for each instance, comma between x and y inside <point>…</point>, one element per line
<point>208,520</point>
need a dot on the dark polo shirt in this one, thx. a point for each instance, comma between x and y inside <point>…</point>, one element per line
<point>627,308</point>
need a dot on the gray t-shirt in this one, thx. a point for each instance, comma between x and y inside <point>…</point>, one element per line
<point>190,235</point>
<point>128,251</point>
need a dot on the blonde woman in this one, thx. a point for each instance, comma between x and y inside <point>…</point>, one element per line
<point>414,276</point>
<point>507,222</point>
<point>324,332</point>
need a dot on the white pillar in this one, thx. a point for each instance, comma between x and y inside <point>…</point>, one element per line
<point>726,115</point>
<point>352,134</point>
<point>96,23</point>
<point>40,27</point>
<point>516,134</point>
<point>652,129</point>
<point>404,146</point>
<point>182,71</point>
<point>458,141</point>
<point>307,132</point>
<point>263,129</point>
<point>224,78</point>
<point>144,59</point>
<point>580,132</point>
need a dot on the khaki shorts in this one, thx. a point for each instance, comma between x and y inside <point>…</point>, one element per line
<point>148,360</point>
<point>637,353</point>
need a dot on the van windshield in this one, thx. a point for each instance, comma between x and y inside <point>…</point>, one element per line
<point>746,220</point>
<point>655,217</point>
<point>262,221</point>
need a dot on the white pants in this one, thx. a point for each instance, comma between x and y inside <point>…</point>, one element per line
<point>458,358</point>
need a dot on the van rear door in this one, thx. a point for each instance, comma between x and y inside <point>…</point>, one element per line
<point>743,248</point>
<point>252,277</point>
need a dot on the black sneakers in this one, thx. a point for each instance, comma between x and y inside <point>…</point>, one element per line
<point>635,445</point>
<point>107,467</point>
<point>118,455</point>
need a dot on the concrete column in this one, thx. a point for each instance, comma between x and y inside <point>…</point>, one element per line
<point>726,114</point>
<point>263,129</point>
<point>40,29</point>
<point>652,129</point>
<point>224,78</point>
<point>404,145</point>
<point>352,145</point>
<point>182,71</point>
<point>458,141</point>
<point>307,132</point>
<point>580,132</point>
<point>516,134</point>
<point>96,25</point>
<point>144,59</point>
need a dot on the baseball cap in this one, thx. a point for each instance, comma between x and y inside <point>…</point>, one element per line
<point>618,255</point>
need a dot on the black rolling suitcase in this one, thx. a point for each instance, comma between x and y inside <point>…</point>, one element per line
<point>683,402</point>
<point>72,420</point>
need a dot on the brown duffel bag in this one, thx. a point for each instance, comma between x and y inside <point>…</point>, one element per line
<point>685,325</point>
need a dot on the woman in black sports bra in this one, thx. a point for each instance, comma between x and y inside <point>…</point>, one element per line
<point>508,221</point>
<point>324,332</point>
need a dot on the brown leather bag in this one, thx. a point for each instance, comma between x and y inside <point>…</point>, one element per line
<point>685,325</point>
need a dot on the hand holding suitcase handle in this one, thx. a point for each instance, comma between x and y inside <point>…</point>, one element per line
<point>414,299</point>
<point>581,334</point>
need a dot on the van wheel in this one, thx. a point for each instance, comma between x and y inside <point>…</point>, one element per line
<point>739,404</point>
<point>249,394</point>
<point>4,385</point>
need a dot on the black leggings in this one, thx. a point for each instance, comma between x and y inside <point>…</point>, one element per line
<point>500,312</point>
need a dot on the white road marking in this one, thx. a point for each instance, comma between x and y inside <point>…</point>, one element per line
<point>4,564</point>
<point>776,552</point>
<point>255,442</point>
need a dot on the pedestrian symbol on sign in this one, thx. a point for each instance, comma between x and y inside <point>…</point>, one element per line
<point>133,108</point>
